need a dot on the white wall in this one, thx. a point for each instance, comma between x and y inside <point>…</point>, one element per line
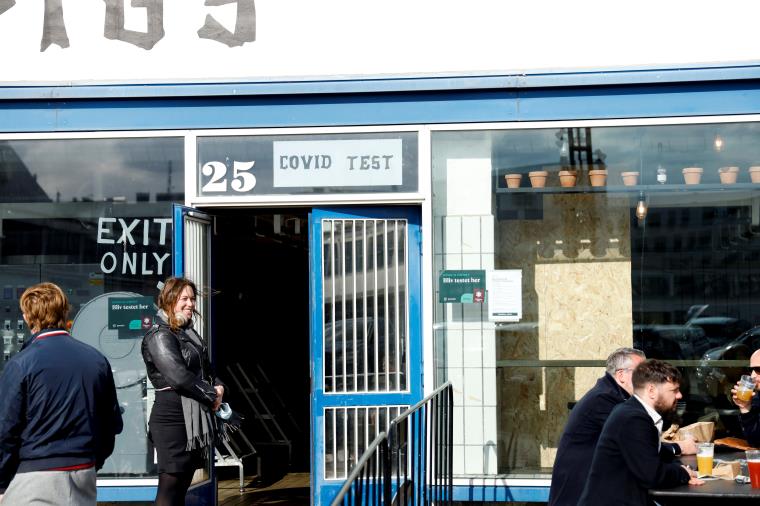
<point>339,38</point>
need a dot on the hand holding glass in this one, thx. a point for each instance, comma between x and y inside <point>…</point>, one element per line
<point>745,388</point>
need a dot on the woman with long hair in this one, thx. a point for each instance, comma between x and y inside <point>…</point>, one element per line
<point>181,426</point>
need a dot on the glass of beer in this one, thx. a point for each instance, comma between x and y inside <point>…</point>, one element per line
<point>753,464</point>
<point>705,453</point>
<point>745,388</point>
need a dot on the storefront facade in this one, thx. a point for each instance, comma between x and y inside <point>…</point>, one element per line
<point>515,294</point>
<point>92,210</point>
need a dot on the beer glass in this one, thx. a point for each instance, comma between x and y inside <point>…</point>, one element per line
<point>753,463</point>
<point>705,453</point>
<point>745,388</point>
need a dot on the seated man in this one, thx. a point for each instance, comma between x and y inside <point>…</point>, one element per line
<point>576,447</point>
<point>629,458</point>
<point>749,411</point>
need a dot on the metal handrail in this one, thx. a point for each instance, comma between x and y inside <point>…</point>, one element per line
<point>411,463</point>
<point>359,480</point>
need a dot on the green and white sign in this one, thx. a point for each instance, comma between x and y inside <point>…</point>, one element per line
<point>464,287</point>
<point>128,315</point>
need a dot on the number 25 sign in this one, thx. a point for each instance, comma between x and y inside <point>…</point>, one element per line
<point>242,179</point>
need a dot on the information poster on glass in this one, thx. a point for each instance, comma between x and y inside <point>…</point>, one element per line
<point>504,295</point>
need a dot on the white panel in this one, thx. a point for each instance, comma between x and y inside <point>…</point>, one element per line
<point>489,386</point>
<point>454,353</point>
<point>468,189</point>
<point>491,459</point>
<point>456,376</point>
<point>458,429</point>
<point>473,457</point>
<point>452,234</point>
<point>489,425</point>
<point>452,261</point>
<point>473,316</point>
<point>471,234</point>
<point>471,261</point>
<point>473,386</point>
<point>472,347</point>
<point>458,466</point>
<point>489,348</point>
<point>487,233</point>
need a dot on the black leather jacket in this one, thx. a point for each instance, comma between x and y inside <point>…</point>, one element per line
<point>172,359</point>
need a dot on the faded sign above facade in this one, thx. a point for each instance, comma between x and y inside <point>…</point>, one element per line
<point>176,41</point>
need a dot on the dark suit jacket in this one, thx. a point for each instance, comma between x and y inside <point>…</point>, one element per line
<point>751,422</point>
<point>576,447</point>
<point>627,462</point>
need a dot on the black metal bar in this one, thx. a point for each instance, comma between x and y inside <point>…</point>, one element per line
<point>413,459</point>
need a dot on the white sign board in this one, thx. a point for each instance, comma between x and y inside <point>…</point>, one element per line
<point>504,295</point>
<point>68,42</point>
<point>366,162</point>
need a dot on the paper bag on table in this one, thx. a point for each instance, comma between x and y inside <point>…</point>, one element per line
<point>702,432</point>
<point>727,470</point>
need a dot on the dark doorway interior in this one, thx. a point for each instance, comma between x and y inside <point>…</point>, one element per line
<point>261,305</point>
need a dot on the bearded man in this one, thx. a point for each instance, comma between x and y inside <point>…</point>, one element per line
<point>629,458</point>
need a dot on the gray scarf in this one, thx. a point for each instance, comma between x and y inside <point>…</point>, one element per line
<point>198,423</point>
<point>199,427</point>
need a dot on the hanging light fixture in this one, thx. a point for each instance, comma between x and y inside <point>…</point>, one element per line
<point>641,207</point>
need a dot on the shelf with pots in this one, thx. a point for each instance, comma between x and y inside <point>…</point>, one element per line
<point>596,181</point>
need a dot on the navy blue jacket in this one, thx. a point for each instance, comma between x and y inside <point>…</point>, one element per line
<point>58,406</point>
<point>627,462</point>
<point>576,447</point>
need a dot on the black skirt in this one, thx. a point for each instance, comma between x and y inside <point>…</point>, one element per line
<point>167,432</point>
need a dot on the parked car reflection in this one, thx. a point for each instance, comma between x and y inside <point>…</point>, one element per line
<point>671,342</point>
<point>717,379</point>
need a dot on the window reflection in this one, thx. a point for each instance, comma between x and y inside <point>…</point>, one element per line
<point>678,281</point>
<point>94,217</point>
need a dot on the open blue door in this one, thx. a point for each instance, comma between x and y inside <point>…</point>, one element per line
<point>191,252</point>
<point>365,332</point>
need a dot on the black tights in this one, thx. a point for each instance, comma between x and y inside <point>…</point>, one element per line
<point>172,488</point>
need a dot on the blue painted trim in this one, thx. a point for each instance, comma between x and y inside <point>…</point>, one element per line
<point>546,104</point>
<point>126,494</point>
<point>323,490</point>
<point>500,494</point>
<point>391,84</point>
<point>178,239</point>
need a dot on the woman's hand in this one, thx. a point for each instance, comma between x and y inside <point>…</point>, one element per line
<point>219,394</point>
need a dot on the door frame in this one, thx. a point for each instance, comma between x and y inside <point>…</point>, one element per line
<point>203,493</point>
<point>323,490</point>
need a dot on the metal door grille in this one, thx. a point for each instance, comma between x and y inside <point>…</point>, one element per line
<point>196,264</point>
<point>348,431</point>
<point>364,280</point>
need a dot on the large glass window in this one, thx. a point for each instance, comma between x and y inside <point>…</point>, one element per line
<point>661,253</point>
<point>93,216</point>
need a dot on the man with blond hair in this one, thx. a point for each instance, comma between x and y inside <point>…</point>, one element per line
<point>58,410</point>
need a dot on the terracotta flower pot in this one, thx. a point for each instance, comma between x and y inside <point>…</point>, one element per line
<point>754,174</point>
<point>728,174</point>
<point>692,175</point>
<point>630,178</point>
<point>567,178</point>
<point>598,177</point>
<point>513,180</point>
<point>538,178</point>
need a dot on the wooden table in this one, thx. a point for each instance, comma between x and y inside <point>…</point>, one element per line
<point>712,492</point>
